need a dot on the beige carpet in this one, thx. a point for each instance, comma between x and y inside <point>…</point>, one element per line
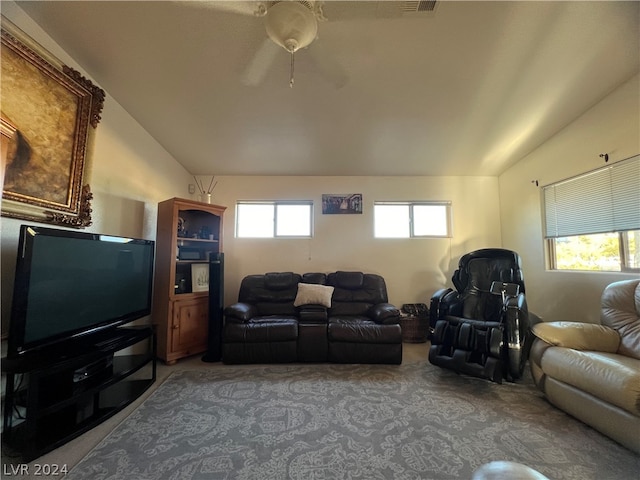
<point>413,421</point>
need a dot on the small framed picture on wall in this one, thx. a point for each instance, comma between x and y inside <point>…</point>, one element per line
<point>350,203</point>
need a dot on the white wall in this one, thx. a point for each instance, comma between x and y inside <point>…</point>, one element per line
<point>412,268</point>
<point>131,172</point>
<point>612,126</point>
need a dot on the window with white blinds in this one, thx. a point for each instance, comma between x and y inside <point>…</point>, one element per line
<point>600,201</point>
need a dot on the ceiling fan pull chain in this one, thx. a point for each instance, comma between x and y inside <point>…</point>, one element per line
<point>291,75</point>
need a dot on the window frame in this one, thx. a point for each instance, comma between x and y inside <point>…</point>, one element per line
<point>275,204</point>
<point>625,253</point>
<point>411,204</point>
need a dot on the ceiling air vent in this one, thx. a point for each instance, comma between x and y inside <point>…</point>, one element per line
<point>418,7</point>
<point>388,8</point>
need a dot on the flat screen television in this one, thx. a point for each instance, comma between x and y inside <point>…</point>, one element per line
<point>70,285</point>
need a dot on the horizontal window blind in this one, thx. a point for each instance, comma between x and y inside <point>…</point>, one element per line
<point>604,200</point>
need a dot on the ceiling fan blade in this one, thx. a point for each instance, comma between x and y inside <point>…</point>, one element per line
<point>327,66</point>
<point>247,8</point>
<point>259,65</point>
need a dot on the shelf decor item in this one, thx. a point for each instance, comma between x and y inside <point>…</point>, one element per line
<point>200,277</point>
<point>49,115</point>
<point>205,195</point>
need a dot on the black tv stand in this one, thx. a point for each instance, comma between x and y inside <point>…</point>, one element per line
<point>55,394</point>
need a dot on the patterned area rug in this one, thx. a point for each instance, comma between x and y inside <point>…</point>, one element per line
<point>365,422</point>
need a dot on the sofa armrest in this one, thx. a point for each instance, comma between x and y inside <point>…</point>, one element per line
<point>578,335</point>
<point>240,312</point>
<point>384,313</point>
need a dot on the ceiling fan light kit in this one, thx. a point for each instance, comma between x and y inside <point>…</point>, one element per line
<point>292,25</point>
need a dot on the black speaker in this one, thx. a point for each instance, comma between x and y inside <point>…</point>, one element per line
<point>216,300</point>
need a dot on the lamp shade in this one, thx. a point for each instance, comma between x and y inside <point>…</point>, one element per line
<point>291,25</point>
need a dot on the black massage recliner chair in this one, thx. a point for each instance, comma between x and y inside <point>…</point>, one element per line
<point>482,329</point>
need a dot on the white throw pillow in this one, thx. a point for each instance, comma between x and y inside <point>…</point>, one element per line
<point>312,294</point>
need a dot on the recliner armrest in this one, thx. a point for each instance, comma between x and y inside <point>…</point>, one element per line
<point>444,302</point>
<point>384,313</point>
<point>312,313</point>
<point>578,335</point>
<point>240,311</point>
<point>439,296</point>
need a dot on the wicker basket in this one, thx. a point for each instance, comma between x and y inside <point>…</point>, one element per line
<point>414,328</point>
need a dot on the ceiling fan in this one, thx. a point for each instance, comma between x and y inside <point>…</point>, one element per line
<point>293,25</point>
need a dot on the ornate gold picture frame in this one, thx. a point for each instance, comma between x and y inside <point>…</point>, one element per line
<point>49,112</point>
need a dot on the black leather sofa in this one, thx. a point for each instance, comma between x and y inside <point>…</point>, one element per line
<point>273,323</point>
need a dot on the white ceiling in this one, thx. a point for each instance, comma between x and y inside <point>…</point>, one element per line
<point>466,90</point>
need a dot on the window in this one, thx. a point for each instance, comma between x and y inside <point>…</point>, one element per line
<point>274,219</point>
<point>592,222</point>
<point>412,219</point>
<point>612,252</point>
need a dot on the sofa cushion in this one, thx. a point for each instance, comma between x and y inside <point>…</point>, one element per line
<point>610,377</point>
<point>280,280</point>
<point>271,294</point>
<point>355,293</point>
<point>276,308</point>
<point>314,277</point>
<point>349,280</point>
<point>309,294</point>
<point>356,309</point>
<point>262,329</point>
<point>362,330</point>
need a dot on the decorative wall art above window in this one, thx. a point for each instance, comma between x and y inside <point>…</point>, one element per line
<point>49,115</point>
<point>341,204</point>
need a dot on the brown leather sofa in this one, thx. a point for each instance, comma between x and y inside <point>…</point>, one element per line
<point>592,371</point>
<point>341,317</point>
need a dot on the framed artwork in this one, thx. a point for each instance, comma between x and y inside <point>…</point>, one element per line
<point>342,204</point>
<point>48,117</point>
<point>200,277</point>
